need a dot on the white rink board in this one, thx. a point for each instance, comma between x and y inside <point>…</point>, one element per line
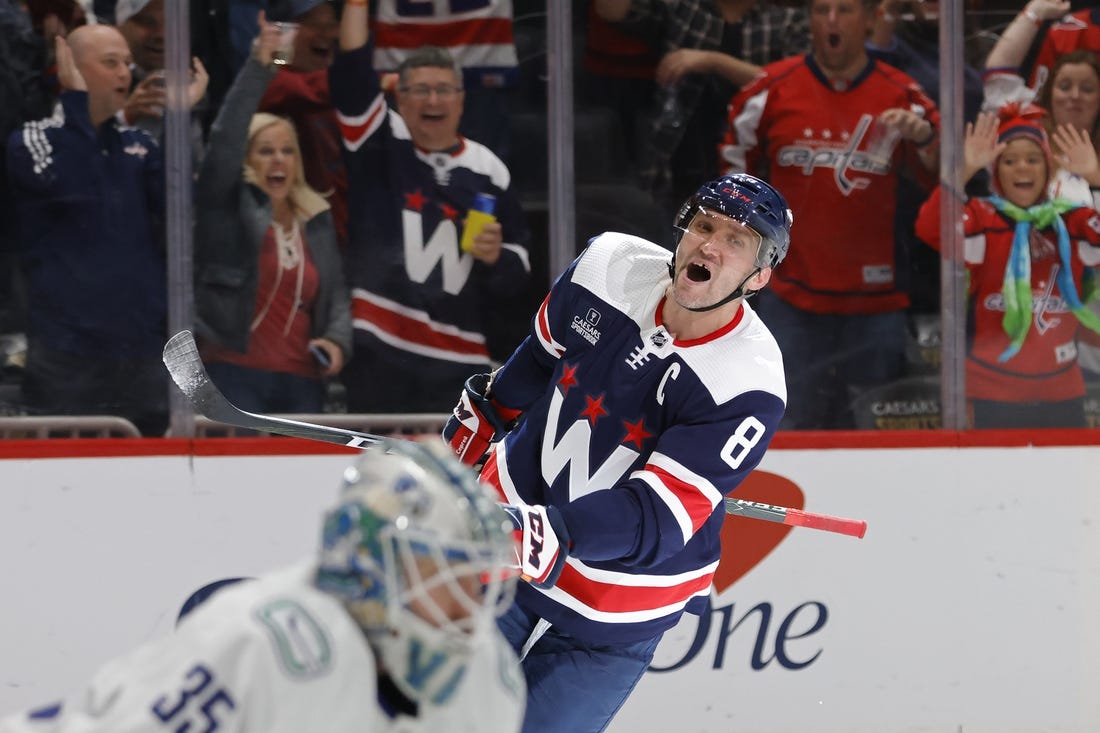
<point>972,604</point>
<point>98,554</point>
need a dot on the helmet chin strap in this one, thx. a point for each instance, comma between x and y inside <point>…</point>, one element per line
<point>732,296</point>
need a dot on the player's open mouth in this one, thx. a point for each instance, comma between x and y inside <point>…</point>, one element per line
<point>698,273</point>
<point>834,40</point>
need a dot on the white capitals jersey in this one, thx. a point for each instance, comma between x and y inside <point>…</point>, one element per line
<point>274,655</point>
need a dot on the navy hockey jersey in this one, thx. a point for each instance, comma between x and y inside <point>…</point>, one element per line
<point>635,436</point>
<point>413,288</point>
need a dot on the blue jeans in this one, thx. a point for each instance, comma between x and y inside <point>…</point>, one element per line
<point>259,390</point>
<point>830,358</point>
<point>574,686</point>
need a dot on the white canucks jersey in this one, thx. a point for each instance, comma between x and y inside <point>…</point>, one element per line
<point>274,655</point>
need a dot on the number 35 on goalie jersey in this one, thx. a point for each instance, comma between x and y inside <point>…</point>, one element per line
<point>273,655</point>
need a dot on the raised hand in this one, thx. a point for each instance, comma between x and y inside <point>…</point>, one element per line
<point>980,146</point>
<point>147,99</point>
<point>1076,153</point>
<point>199,81</point>
<point>1048,9</point>
<point>266,42</point>
<point>68,75</point>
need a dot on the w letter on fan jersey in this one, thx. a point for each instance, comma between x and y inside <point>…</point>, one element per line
<point>421,257</point>
<point>572,453</point>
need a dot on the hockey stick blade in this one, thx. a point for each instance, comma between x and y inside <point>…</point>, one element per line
<point>796,517</point>
<point>181,356</point>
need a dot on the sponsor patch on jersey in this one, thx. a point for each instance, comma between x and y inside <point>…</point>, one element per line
<point>878,274</point>
<point>300,641</point>
<point>586,326</point>
<point>1065,353</point>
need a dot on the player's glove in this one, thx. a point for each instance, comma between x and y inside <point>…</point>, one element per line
<point>544,542</point>
<point>477,421</point>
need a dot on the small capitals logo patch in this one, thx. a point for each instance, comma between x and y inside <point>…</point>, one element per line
<point>136,149</point>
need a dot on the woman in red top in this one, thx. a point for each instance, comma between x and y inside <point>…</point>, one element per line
<point>272,307</point>
<point>1028,260</point>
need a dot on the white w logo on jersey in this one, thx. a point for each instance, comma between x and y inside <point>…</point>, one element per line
<point>572,453</point>
<point>421,257</point>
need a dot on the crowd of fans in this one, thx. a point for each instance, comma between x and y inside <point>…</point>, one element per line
<point>332,186</point>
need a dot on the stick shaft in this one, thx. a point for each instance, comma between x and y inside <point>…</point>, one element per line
<point>181,357</point>
<point>796,517</point>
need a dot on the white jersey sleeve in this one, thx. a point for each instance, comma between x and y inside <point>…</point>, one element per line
<point>274,655</point>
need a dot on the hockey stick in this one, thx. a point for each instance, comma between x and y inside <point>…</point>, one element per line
<point>795,517</point>
<point>181,356</point>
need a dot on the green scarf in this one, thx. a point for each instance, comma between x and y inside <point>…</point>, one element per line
<point>1017,282</point>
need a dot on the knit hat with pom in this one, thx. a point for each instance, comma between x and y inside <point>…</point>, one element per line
<point>1023,120</point>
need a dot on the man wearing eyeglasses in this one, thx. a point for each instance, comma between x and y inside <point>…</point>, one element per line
<point>421,303</point>
<point>479,35</point>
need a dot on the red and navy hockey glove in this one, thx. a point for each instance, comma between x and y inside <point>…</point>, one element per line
<point>544,542</point>
<point>477,421</point>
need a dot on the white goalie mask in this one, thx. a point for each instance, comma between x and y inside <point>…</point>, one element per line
<point>422,555</point>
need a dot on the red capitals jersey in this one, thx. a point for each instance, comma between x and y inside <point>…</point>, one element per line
<point>810,139</point>
<point>1073,32</point>
<point>1046,367</point>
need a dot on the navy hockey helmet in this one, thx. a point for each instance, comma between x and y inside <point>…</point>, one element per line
<point>751,201</point>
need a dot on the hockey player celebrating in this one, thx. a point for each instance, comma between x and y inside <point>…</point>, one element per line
<point>392,629</point>
<point>647,390</point>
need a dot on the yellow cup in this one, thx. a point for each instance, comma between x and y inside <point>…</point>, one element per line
<point>480,214</point>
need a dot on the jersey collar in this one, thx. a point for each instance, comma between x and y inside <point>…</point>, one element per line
<point>658,321</point>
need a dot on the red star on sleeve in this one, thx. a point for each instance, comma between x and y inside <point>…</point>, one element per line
<point>449,211</point>
<point>568,378</point>
<point>636,432</point>
<point>594,409</point>
<point>415,200</point>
